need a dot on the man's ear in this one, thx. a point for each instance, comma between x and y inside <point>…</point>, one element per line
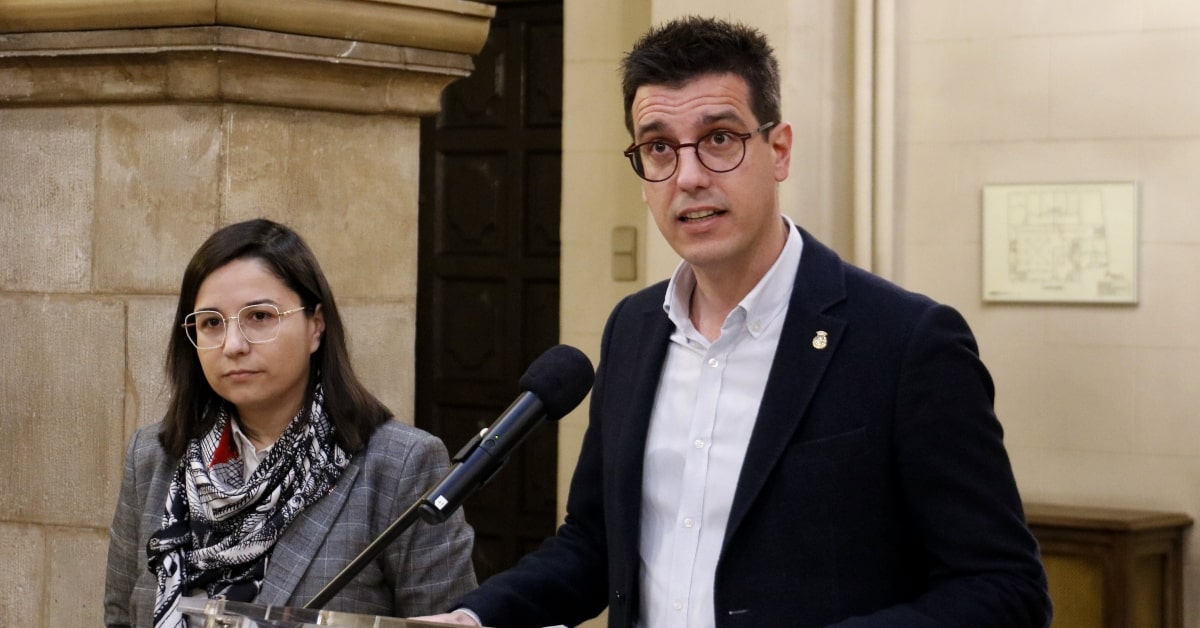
<point>781,143</point>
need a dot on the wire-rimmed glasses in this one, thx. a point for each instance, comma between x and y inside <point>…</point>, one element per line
<point>258,323</point>
<point>719,150</point>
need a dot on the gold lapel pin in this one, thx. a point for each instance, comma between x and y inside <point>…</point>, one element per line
<point>821,340</point>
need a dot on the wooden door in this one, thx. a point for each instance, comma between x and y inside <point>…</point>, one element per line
<point>488,292</point>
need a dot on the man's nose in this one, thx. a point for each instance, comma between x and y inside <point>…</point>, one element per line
<point>690,172</point>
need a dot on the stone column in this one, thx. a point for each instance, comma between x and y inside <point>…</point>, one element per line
<point>129,131</point>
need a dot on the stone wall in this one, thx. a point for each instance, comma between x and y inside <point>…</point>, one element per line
<point>121,150</point>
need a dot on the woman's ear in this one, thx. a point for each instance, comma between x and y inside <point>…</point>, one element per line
<point>317,329</point>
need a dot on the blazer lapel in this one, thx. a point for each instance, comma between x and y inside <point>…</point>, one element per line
<point>303,538</point>
<point>800,362</point>
<point>653,336</point>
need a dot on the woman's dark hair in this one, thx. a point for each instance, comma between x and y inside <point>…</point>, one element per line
<point>690,47</point>
<point>354,412</point>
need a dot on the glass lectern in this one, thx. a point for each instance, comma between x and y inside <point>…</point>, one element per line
<point>206,613</point>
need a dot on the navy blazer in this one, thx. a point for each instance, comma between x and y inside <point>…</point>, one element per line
<point>876,490</point>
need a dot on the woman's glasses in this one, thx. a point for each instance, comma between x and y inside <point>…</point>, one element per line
<point>258,324</point>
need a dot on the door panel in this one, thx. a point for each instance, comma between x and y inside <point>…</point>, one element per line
<point>488,291</point>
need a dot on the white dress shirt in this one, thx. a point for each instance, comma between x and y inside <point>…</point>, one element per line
<point>704,412</point>
<point>251,456</point>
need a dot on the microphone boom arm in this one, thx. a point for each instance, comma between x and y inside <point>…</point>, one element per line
<point>552,386</point>
<point>377,546</point>
<point>434,509</point>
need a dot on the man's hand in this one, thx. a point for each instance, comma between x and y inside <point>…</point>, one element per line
<point>457,617</point>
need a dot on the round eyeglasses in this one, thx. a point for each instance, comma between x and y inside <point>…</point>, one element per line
<point>258,323</point>
<point>719,150</point>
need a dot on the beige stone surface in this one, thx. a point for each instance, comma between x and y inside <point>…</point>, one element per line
<point>383,349</point>
<point>151,324</point>
<point>1168,307</point>
<point>1098,402</point>
<point>224,64</point>
<point>961,290</point>
<point>601,31</point>
<point>120,152</point>
<point>363,89</point>
<point>1165,317</point>
<point>39,79</point>
<point>347,183</point>
<point>75,587</point>
<point>948,19</point>
<point>1013,103</point>
<point>60,409</point>
<point>455,25</point>
<point>592,108</point>
<point>1166,402</point>
<point>1170,186</point>
<point>47,178</point>
<point>1050,475</point>
<point>1101,83</point>
<point>22,574</point>
<point>157,193</point>
<point>990,91</point>
<point>1169,14</point>
<point>436,24</point>
<point>36,15</point>
<point>941,199</point>
<point>1088,390</point>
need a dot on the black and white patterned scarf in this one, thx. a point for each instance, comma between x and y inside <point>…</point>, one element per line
<point>219,528</point>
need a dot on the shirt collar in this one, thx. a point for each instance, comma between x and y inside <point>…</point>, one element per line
<point>244,444</point>
<point>760,307</point>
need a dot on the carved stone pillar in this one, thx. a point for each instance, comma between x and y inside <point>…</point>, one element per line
<point>129,131</point>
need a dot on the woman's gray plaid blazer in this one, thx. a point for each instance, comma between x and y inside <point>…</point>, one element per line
<point>420,573</point>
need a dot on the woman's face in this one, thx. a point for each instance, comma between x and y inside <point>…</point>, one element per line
<point>264,381</point>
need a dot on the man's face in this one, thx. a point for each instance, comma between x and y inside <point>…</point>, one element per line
<point>717,221</point>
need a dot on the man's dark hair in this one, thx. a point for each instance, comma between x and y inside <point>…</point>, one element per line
<point>354,412</point>
<point>690,47</point>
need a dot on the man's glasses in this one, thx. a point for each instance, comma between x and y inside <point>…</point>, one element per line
<point>720,150</point>
<point>259,323</point>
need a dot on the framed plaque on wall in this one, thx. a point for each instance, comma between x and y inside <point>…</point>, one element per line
<point>1060,242</point>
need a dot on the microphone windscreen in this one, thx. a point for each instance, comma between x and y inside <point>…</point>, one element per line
<point>561,377</point>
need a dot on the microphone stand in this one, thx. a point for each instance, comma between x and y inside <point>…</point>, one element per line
<point>397,528</point>
<point>342,579</point>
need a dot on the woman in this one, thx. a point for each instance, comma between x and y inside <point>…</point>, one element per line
<point>273,467</point>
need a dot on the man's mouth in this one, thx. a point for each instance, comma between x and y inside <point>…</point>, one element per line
<point>699,215</point>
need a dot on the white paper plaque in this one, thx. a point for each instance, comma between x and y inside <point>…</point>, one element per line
<point>1061,242</point>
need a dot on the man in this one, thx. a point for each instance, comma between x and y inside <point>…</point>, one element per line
<point>776,438</point>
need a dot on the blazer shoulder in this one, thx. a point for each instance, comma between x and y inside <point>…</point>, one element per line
<point>648,298</point>
<point>630,313</point>
<point>144,451</point>
<point>145,437</point>
<point>398,450</point>
<point>827,285</point>
<point>394,437</point>
<point>862,284</point>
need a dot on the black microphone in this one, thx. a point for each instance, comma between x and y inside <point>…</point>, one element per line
<point>552,386</point>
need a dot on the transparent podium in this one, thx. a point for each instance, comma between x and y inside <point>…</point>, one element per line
<point>206,613</point>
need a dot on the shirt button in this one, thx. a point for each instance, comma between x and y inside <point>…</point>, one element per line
<point>756,327</point>
<point>712,362</point>
<point>699,444</point>
<point>688,522</point>
<point>677,605</point>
